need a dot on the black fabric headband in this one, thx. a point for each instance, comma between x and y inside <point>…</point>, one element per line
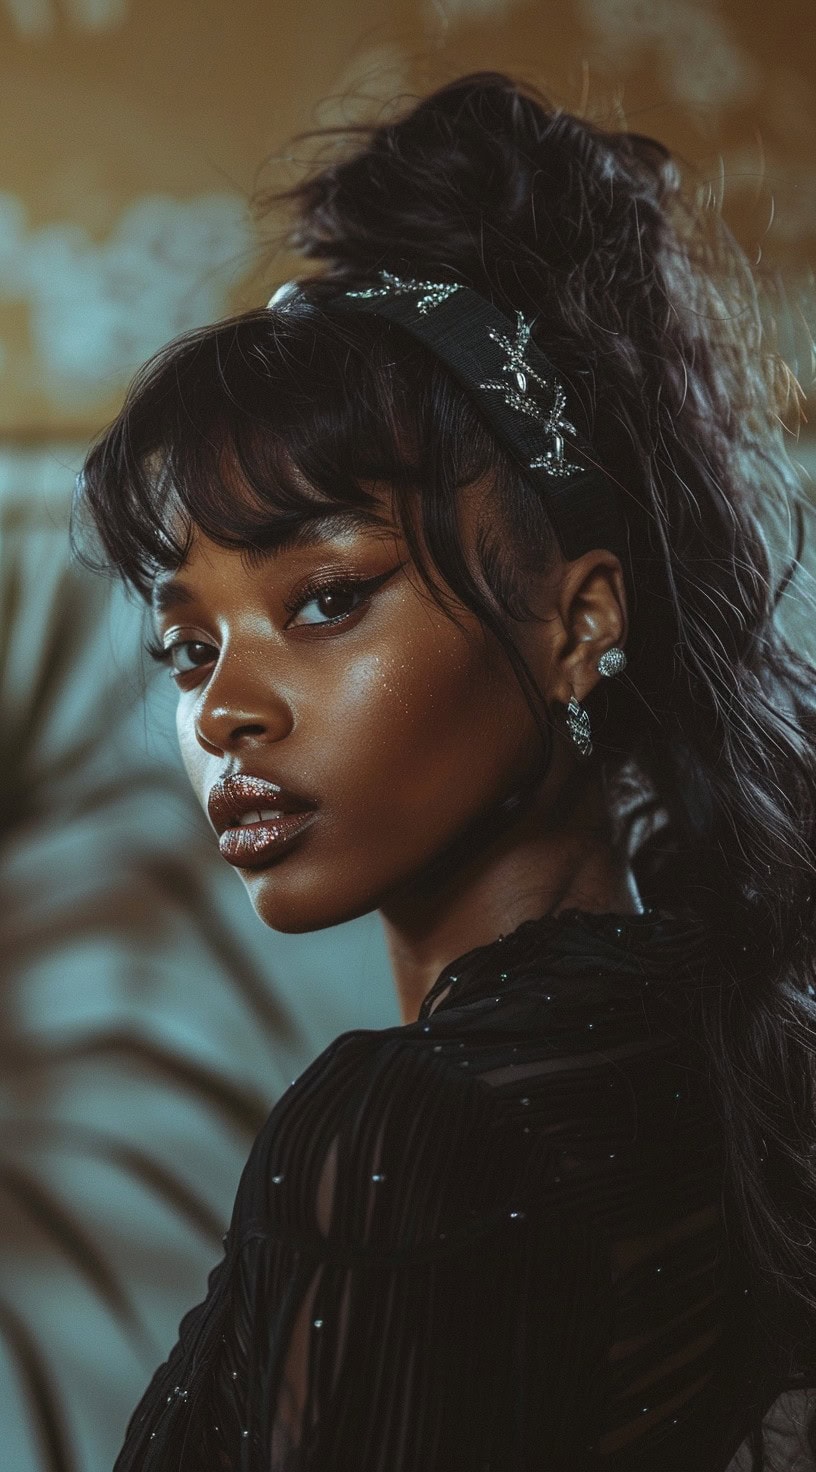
<point>498,365</point>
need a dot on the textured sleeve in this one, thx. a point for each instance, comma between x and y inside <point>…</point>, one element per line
<point>366,1313</point>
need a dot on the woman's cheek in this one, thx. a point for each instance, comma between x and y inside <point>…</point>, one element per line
<point>188,746</point>
<point>395,699</point>
<point>408,726</point>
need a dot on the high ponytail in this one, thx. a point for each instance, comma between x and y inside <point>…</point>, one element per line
<point>646,306</point>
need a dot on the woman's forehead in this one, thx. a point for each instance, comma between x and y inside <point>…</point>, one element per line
<point>248,522</point>
<point>281,536</point>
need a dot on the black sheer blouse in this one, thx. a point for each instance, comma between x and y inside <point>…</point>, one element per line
<point>488,1241</point>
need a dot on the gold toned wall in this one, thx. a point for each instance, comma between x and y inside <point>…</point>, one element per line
<point>133,131</point>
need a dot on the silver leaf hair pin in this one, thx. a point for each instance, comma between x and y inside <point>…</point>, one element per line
<point>553,459</point>
<point>430,293</point>
<point>515,395</point>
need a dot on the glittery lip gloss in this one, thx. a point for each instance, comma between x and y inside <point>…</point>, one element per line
<point>255,818</point>
<point>252,844</point>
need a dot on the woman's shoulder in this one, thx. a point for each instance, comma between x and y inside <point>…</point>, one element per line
<point>388,1137</point>
<point>412,1072</point>
<point>374,1063</point>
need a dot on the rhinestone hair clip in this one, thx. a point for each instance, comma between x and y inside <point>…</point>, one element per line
<point>516,396</point>
<point>429,294</point>
<point>521,374</point>
<point>513,384</point>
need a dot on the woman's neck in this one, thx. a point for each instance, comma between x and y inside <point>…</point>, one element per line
<point>483,889</point>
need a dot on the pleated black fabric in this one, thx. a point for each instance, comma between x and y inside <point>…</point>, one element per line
<point>489,1241</point>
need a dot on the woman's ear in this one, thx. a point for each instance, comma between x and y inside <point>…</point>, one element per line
<point>588,615</point>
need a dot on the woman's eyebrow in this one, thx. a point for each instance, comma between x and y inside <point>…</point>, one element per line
<point>306,531</point>
<point>168,593</point>
<point>309,529</point>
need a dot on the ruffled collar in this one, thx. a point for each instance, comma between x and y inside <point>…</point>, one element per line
<point>646,947</point>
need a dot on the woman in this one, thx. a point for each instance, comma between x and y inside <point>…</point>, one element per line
<point>455,554</point>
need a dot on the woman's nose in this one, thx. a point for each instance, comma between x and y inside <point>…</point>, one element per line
<point>235,712</point>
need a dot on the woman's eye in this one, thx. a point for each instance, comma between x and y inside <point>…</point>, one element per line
<point>188,655</point>
<point>333,602</point>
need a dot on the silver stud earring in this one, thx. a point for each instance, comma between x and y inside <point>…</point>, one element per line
<point>612,662</point>
<point>578,726</point>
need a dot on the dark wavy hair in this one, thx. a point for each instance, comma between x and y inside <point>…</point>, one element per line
<point>642,300</point>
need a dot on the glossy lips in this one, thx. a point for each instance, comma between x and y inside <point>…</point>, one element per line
<point>255,818</point>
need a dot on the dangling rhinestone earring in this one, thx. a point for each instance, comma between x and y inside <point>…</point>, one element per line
<point>578,726</point>
<point>612,662</point>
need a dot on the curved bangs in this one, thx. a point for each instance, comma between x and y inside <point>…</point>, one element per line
<point>246,429</point>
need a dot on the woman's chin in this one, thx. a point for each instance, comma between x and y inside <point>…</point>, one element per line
<point>297,910</point>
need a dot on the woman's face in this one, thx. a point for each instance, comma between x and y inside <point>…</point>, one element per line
<point>327,668</point>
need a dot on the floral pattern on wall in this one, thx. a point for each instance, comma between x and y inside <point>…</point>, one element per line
<point>99,309</point>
